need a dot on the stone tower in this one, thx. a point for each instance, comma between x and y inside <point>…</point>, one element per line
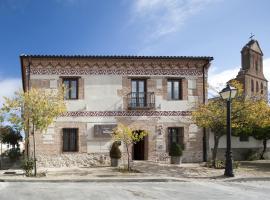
<point>251,72</point>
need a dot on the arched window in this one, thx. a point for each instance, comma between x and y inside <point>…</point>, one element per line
<point>257,86</point>
<point>252,86</point>
<point>261,88</point>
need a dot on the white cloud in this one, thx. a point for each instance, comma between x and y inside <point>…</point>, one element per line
<point>163,17</point>
<point>8,87</point>
<point>217,80</point>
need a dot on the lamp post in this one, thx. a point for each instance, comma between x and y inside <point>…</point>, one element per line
<point>228,93</point>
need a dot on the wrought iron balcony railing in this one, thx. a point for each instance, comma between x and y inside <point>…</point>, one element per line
<point>141,100</point>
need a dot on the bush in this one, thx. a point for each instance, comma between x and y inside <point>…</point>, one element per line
<point>176,150</point>
<point>28,166</point>
<point>115,151</point>
<point>220,164</point>
<point>13,153</point>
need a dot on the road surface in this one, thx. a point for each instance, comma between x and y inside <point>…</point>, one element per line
<point>196,190</point>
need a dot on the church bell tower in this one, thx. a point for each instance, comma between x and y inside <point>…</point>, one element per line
<point>251,72</point>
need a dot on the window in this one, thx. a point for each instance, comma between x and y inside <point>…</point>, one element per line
<point>257,86</point>
<point>70,139</point>
<point>252,86</point>
<point>71,86</point>
<point>174,88</point>
<point>261,88</point>
<point>243,138</point>
<point>257,66</point>
<point>138,93</point>
<point>175,135</point>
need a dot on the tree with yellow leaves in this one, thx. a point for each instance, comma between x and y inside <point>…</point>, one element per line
<point>33,111</point>
<point>128,136</point>
<point>259,122</point>
<point>213,116</point>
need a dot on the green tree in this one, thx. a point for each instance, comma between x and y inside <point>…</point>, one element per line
<point>34,111</point>
<point>10,136</point>
<point>128,136</point>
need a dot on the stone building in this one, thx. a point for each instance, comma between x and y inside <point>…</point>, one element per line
<point>153,93</point>
<point>255,86</point>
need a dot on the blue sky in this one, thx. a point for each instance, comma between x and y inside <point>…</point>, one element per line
<point>217,28</point>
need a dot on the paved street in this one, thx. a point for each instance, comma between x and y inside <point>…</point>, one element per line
<point>171,190</point>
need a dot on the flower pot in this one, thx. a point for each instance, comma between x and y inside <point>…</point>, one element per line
<point>176,160</point>
<point>114,162</point>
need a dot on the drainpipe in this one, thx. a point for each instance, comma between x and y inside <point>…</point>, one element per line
<point>28,123</point>
<point>204,129</point>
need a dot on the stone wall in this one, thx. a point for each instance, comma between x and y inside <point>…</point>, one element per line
<point>73,160</point>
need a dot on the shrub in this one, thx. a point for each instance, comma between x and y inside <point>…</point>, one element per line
<point>13,153</point>
<point>220,164</point>
<point>176,150</point>
<point>115,151</point>
<point>28,166</point>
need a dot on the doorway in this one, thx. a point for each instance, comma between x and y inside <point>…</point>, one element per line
<point>139,149</point>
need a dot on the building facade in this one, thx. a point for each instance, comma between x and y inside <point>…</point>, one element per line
<point>255,85</point>
<point>150,93</point>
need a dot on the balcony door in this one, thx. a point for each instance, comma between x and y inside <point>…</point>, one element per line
<point>138,93</point>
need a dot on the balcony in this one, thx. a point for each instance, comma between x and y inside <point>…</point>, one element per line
<point>141,100</point>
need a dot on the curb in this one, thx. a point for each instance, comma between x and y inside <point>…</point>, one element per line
<point>97,180</point>
<point>248,179</point>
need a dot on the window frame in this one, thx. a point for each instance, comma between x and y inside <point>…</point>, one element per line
<point>69,140</point>
<point>180,89</point>
<point>137,93</point>
<point>69,79</point>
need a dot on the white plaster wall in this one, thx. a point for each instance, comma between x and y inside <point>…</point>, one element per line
<point>236,143</point>
<point>96,144</point>
<point>101,93</point>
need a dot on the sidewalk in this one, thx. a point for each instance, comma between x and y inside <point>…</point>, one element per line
<point>149,172</point>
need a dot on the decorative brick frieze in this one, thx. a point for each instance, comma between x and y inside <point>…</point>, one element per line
<point>124,113</point>
<point>105,71</point>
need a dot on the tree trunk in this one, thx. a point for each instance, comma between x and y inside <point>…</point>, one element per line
<point>214,154</point>
<point>264,149</point>
<point>128,157</point>
<point>34,144</point>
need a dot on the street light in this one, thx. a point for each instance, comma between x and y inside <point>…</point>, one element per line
<point>228,93</point>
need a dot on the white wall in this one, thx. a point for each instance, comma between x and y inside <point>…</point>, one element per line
<point>101,93</point>
<point>236,143</point>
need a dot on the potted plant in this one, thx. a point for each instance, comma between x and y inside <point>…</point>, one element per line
<point>115,154</point>
<point>176,152</point>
